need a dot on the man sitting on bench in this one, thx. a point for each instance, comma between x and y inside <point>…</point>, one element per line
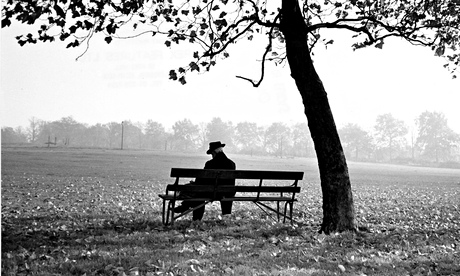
<point>219,161</point>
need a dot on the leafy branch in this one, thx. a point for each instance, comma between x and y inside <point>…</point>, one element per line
<point>216,24</point>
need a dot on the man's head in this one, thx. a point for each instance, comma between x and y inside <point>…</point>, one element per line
<point>215,147</point>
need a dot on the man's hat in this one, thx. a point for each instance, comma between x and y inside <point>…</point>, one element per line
<point>214,145</point>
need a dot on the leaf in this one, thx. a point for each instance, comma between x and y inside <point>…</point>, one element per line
<point>89,25</point>
<point>108,39</point>
<point>6,22</point>
<point>59,11</point>
<point>64,36</point>
<point>194,66</point>
<point>72,29</point>
<point>440,51</point>
<point>111,28</point>
<point>76,43</point>
<point>379,44</point>
<point>173,75</point>
<point>220,23</point>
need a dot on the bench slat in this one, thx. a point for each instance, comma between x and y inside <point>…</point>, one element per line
<point>238,198</point>
<point>236,174</point>
<point>232,189</point>
<point>262,198</point>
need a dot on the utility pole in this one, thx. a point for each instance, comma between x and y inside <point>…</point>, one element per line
<point>122,130</point>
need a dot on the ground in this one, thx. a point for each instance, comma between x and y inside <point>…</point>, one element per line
<point>96,212</point>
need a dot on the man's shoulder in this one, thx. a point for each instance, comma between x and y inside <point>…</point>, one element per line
<point>229,163</point>
<point>223,162</point>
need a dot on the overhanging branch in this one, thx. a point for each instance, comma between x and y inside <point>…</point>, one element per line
<point>264,57</point>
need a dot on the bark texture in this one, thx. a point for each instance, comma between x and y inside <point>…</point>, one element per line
<point>338,209</point>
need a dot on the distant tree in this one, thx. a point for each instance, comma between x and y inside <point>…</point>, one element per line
<point>355,140</point>
<point>291,29</point>
<point>301,140</point>
<point>389,131</point>
<point>247,136</point>
<point>33,129</point>
<point>185,135</point>
<point>132,135</point>
<point>46,132</point>
<point>155,134</point>
<point>8,135</point>
<point>278,138</point>
<point>169,143</point>
<point>97,136</point>
<point>203,135</point>
<point>67,129</point>
<point>114,133</point>
<point>435,138</point>
<point>218,130</point>
<point>13,136</point>
<point>140,134</point>
<point>62,131</point>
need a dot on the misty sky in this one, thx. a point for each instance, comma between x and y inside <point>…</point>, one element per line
<point>128,80</point>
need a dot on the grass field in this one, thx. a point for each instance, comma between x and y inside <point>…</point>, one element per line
<point>96,212</point>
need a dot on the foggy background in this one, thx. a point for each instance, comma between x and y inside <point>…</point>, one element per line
<point>127,81</point>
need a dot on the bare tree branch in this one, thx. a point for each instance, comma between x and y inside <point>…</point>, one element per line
<point>264,57</point>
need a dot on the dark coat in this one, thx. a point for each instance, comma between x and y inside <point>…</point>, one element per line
<point>220,161</point>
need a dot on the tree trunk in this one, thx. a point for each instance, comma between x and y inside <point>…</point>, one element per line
<point>338,209</point>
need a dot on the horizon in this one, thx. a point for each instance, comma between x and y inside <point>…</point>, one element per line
<point>168,127</point>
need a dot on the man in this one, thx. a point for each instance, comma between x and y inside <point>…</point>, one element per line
<point>219,161</point>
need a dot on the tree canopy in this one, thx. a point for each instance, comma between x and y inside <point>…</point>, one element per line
<point>389,130</point>
<point>214,25</point>
<point>435,138</point>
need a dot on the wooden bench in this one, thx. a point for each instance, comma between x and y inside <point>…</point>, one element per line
<point>249,191</point>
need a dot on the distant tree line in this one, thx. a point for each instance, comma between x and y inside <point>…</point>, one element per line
<point>278,139</point>
<point>389,140</point>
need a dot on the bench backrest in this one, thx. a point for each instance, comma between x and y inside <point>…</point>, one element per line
<point>236,174</point>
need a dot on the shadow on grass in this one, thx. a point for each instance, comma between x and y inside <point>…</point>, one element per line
<point>51,231</point>
<point>101,245</point>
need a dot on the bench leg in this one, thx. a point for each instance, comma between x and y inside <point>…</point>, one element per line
<point>289,205</point>
<point>163,215</point>
<point>168,210</point>
<point>286,205</point>
<point>171,211</point>
<point>278,210</point>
